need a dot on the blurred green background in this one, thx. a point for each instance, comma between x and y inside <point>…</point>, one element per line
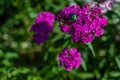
<point>22,59</point>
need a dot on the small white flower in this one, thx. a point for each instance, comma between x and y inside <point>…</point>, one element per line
<point>106,5</point>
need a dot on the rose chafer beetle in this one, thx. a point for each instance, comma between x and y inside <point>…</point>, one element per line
<point>73,17</point>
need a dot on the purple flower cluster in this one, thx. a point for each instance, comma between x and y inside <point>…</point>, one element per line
<point>82,23</point>
<point>42,26</point>
<point>69,58</point>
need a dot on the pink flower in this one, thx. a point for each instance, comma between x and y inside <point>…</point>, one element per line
<point>69,58</point>
<point>82,23</point>
<point>42,26</point>
<point>106,5</point>
<point>117,1</point>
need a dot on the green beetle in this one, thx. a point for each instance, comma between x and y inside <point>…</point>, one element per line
<point>73,17</point>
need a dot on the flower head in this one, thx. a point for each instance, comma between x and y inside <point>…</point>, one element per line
<point>69,58</point>
<point>42,26</point>
<point>117,1</point>
<point>106,5</point>
<point>82,23</point>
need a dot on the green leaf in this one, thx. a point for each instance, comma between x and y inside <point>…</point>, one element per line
<point>112,49</point>
<point>24,70</point>
<point>45,56</point>
<point>101,63</point>
<point>2,69</point>
<point>117,61</point>
<point>11,55</point>
<point>84,66</point>
<point>57,37</point>
<point>91,48</point>
<point>97,74</point>
<point>1,53</point>
<point>114,74</point>
<point>6,62</point>
<point>84,75</point>
<point>105,77</point>
<point>31,77</point>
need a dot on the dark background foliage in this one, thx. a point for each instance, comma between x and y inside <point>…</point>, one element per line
<point>22,59</point>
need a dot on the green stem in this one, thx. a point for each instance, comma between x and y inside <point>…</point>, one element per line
<point>90,46</point>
